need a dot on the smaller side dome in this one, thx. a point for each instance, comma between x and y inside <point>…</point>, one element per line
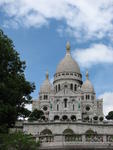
<point>46,86</point>
<point>87,85</point>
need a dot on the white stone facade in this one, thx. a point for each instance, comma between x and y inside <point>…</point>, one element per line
<point>72,114</point>
<point>68,98</point>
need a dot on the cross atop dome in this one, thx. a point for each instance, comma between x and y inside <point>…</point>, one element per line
<point>87,75</point>
<point>68,48</point>
<point>47,75</point>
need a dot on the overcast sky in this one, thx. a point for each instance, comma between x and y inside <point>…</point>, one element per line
<point>41,28</point>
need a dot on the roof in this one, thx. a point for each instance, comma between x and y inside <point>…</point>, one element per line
<point>68,64</point>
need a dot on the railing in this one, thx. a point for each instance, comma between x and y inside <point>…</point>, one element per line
<point>109,138</point>
<point>75,138</point>
<point>46,138</point>
<point>94,138</point>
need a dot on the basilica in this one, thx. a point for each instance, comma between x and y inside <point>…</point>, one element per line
<point>73,117</point>
<point>69,98</point>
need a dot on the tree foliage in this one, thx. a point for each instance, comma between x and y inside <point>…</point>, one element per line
<point>14,88</point>
<point>35,115</point>
<point>110,116</point>
<point>17,141</point>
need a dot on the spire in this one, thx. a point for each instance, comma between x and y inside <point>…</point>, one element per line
<point>67,48</point>
<point>87,75</point>
<point>47,75</point>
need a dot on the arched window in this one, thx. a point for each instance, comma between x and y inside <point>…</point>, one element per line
<point>73,117</point>
<point>90,131</point>
<point>92,97</point>
<point>46,132</point>
<point>45,96</point>
<point>56,117</point>
<point>57,107</point>
<point>68,131</point>
<point>65,103</point>
<point>64,117</point>
<point>73,107</point>
<point>58,87</point>
<point>75,87</point>
<point>71,86</point>
<point>87,97</point>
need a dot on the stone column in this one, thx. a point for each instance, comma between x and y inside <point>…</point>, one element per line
<point>83,138</point>
<point>104,138</point>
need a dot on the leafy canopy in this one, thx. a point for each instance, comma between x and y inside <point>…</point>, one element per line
<point>18,141</point>
<point>110,116</point>
<point>15,90</point>
<point>35,115</point>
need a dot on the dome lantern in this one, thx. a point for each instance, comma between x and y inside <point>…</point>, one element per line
<point>68,48</point>
<point>87,75</point>
<point>47,75</point>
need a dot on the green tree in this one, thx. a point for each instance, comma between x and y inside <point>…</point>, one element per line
<point>35,115</point>
<point>14,88</point>
<point>18,141</point>
<point>110,116</point>
<point>24,113</point>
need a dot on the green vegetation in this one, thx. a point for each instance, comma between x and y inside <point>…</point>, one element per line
<point>110,116</point>
<point>15,90</point>
<point>17,141</point>
<point>35,115</point>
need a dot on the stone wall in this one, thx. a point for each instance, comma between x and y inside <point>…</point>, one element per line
<point>58,127</point>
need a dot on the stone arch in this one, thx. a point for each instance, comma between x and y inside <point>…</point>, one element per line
<point>46,132</point>
<point>90,131</point>
<point>68,131</point>
<point>73,117</point>
<point>56,117</point>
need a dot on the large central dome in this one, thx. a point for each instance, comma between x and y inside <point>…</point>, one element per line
<point>68,64</point>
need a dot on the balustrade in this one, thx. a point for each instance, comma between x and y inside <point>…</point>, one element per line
<point>81,138</point>
<point>94,138</point>
<point>109,138</point>
<point>44,139</point>
<point>72,138</point>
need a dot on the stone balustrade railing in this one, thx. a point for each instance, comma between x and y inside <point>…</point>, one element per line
<point>79,138</point>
